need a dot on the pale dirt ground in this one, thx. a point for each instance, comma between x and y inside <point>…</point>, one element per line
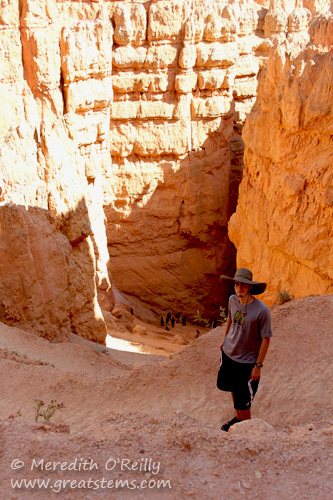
<point>159,417</point>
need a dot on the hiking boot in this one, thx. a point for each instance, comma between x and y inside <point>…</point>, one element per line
<point>226,427</point>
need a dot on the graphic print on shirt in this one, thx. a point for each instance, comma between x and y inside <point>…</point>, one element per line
<point>239,318</point>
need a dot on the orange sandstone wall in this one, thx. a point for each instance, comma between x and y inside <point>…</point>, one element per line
<point>55,91</point>
<point>184,78</point>
<point>123,121</point>
<point>282,227</point>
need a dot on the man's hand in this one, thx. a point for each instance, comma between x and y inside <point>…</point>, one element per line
<point>256,373</point>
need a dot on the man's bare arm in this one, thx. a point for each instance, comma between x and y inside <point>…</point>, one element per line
<point>255,375</point>
<point>228,325</point>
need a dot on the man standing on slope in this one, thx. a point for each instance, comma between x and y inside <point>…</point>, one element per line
<point>245,344</point>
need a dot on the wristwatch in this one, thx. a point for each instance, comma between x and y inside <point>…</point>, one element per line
<point>259,365</point>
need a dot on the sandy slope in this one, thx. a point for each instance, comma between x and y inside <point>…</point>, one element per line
<point>169,410</point>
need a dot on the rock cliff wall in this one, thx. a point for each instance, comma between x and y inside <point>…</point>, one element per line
<point>47,286</point>
<point>124,120</point>
<point>55,92</point>
<point>282,227</point>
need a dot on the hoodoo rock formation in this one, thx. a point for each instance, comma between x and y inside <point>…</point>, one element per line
<point>122,122</point>
<point>282,227</point>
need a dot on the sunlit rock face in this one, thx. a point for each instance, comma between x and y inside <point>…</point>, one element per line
<point>182,90</point>
<point>176,148</point>
<point>55,97</point>
<point>283,224</point>
<point>47,285</point>
<point>124,121</point>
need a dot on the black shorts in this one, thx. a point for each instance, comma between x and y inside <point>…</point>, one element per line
<point>235,377</point>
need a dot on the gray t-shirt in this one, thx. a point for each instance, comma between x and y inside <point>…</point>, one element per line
<point>249,324</point>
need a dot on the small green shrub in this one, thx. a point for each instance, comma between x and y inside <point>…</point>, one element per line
<point>50,409</point>
<point>198,318</point>
<point>208,323</point>
<point>284,296</point>
<point>223,315</point>
<point>12,416</point>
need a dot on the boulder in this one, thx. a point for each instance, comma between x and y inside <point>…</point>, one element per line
<point>139,330</point>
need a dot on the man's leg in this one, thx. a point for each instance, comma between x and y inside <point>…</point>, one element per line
<point>241,414</point>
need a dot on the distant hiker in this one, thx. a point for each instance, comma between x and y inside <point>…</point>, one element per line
<point>245,344</point>
<point>132,312</point>
<point>173,322</point>
<point>162,321</point>
<point>177,317</point>
<point>167,328</point>
<point>168,318</point>
<point>215,323</point>
<point>184,320</point>
<point>197,334</point>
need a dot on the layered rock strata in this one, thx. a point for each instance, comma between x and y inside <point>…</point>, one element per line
<point>124,120</point>
<point>282,227</point>
<point>182,90</point>
<point>55,93</point>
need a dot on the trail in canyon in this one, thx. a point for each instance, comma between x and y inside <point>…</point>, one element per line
<point>168,409</point>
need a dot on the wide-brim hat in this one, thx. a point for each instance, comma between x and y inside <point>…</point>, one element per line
<point>244,275</point>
